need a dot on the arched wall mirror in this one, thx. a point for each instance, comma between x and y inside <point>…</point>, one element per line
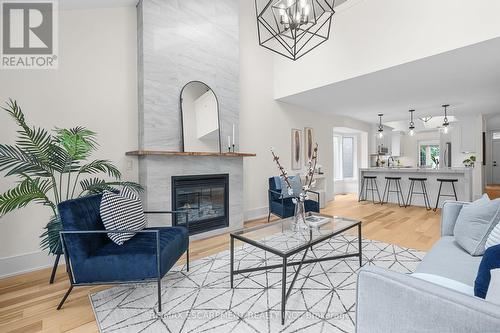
<point>200,118</point>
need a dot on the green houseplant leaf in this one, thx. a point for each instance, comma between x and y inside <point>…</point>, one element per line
<point>27,191</point>
<point>52,168</point>
<point>78,142</point>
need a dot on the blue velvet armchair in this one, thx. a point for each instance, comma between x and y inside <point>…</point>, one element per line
<point>284,207</point>
<point>92,258</point>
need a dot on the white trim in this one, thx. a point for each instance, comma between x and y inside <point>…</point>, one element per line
<point>341,136</point>
<point>489,164</point>
<point>25,263</point>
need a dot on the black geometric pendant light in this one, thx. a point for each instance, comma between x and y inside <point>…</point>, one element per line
<point>412,124</point>
<point>446,123</point>
<point>293,28</point>
<point>380,126</point>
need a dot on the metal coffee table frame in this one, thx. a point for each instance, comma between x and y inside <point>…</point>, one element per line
<point>286,255</point>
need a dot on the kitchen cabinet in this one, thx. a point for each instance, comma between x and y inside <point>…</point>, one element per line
<point>467,136</point>
<point>396,144</point>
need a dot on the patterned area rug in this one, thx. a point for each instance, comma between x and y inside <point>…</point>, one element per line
<point>323,298</point>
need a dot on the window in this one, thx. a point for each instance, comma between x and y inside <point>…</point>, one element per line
<point>428,154</point>
<point>495,135</point>
<point>344,156</point>
<point>348,157</point>
<point>337,158</point>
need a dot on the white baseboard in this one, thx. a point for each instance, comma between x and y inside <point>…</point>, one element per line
<point>256,213</point>
<point>25,263</point>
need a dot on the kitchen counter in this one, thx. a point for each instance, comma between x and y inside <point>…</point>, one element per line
<point>418,170</point>
<point>463,186</point>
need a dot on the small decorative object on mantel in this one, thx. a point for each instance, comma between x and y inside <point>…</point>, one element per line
<point>299,198</point>
<point>234,139</point>
<point>470,162</point>
<point>231,144</point>
<point>319,170</point>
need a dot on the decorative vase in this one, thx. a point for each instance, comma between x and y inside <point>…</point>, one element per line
<point>299,218</point>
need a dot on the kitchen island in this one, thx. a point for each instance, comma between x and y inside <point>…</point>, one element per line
<point>463,186</point>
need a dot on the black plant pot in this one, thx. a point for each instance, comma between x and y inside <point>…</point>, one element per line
<point>54,245</point>
<point>52,241</point>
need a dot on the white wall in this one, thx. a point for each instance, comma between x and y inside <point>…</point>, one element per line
<point>265,122</point>
<point>96,87</point>
<point>369,35</point>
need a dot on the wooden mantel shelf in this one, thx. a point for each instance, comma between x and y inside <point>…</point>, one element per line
<point>179,153</point>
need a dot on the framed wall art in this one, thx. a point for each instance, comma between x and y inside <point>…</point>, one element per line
<point>308,144</point>
<point>296,149</point>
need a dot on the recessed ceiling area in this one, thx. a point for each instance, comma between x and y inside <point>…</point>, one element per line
<point>432,124</point>
<point>467,78</point>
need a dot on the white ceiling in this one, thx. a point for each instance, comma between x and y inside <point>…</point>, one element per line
<point>89,4</point>
<point>467,78</point>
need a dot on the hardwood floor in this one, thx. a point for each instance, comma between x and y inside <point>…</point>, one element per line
<point>28,303</point>
<point>493,191</point>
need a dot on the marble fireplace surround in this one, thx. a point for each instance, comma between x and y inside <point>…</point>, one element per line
<point>179,42</point>
<point>156,169</point>
<point>156,173</point>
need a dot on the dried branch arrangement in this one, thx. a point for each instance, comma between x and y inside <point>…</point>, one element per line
<point>309,176</point>
<point>311,169</point>
<point>283,172</point>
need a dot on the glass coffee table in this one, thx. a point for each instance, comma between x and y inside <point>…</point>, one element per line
<point>264,237</point>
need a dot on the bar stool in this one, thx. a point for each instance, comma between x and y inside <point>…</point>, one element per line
<point>372,180</point>
<point>424,192</point>
<point>398,191</point>
<point>441,181</point>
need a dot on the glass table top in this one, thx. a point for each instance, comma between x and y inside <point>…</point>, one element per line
<point>280,236</point>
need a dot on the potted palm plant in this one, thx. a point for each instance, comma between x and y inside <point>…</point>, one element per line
<point>53,166</point>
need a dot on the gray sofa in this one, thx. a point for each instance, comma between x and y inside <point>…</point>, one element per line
<point>388,301</point>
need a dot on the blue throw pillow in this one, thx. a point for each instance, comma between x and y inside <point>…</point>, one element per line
<point>296,186</point>
<point>490,261</point>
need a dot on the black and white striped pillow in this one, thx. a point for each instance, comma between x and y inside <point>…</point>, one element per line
<point>122,211</point>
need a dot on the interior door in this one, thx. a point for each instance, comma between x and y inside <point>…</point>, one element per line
<point>496,161</point>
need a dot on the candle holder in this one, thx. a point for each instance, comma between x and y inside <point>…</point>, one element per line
<point>234,148</point>
<point>229,149</point>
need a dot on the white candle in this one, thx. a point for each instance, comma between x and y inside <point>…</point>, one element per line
<point>229,141</point>
<point>233,136</point>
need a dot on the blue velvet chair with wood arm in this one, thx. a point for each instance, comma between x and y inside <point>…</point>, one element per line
<point>93,259</point>
<point>284,207</point>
